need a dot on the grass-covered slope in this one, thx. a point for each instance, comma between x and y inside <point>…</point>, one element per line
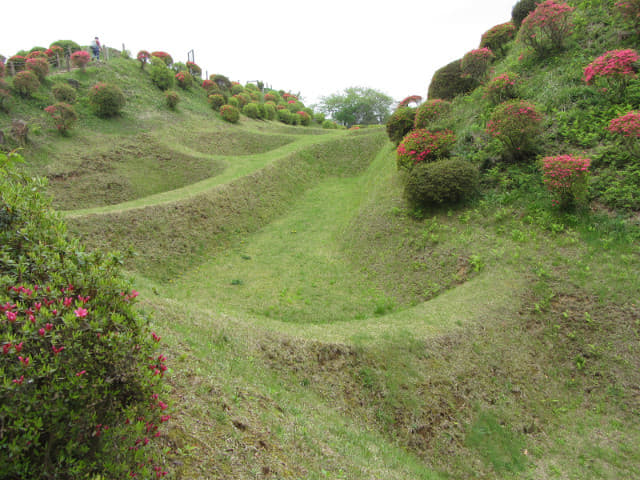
<point>319,327</point>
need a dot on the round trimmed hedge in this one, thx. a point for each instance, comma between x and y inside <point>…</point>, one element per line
<point>26,83</point>
<point>448,82</point>
<point>63,92</point>
<point>230,113</point>
<point>423,146</point>
<point>443,182</point>
<point>106,99</point>
<point>431,111</point>
<point>400,123</point>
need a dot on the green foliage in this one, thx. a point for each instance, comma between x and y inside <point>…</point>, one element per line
<point>184,79</point>
<point>236,88</point>
<point>547,27</point>
<point>63,115</point>
<point>230,113</point>
<point>171,98</point>
<point>329,124</point>
<point>269,111</point>
<point>400,123</point>
<point>216,101</point>
<point>475,63</point>
<point>285,116</point>
<point>620,188</point>
<point>423,146</point>
<point>161,75</point>
<point>516,124</point>
<point>305,118</point>
<point>5,100</point>
<point>521,10</point>
<point>497,38</point>
<point>63,92</point>
<point>69,46</point>
<point>448,82</point>
<point>431,111</point>
<point>106,99</point>
<point>234,102</point>
<point>251,110</point>
<point>223,82</point>
<point>26,83</point>
<point>164,56</point>
<point>502,88</point>
<point>442,182</point>
<point>39,66</point>
<point>356,106</point>
<point>76,391</point>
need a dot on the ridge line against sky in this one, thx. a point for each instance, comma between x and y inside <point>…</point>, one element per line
<point>314,48</point>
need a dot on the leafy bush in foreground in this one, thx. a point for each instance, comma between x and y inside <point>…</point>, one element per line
<point>63,115</point>
<point>106,99</point>
<point>431,111</point>
<point>63,92</point>
<point>26,83</point>
<point>443,182</point>
<point>547,27</point>
<point>230,113</point>
<point>161,75</point>
<point>448,82</point>
<point>400,123</point>
<point>423,146</point>
<point>77,395</point>
<point>516,125</point>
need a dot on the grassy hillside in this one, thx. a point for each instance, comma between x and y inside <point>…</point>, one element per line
<point>317,326</point>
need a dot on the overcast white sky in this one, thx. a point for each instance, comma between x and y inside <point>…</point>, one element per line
<point>315,48</point>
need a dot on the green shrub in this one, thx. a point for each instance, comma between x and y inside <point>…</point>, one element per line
<point>423,146</point>
<point>236,88</point>
<point>39,66</point>
<point>475,63</point>
<point>78,397</point>
<point>230,114</point>
<point>318,117</point>
<point>285,115</point>
<point>251,110</point>
<point>223,82</point>
<point>68,46</point>
<point>496,38</point>
<point>442,182</point>
<point>242,99</point>
<point>26,83</point>
<point>329,124</point>
<point>106,99</point>
<point>164,56</point>
<point>502,88</point>
<point>620,188</point>
<point>400,123</point>
<point>216,101</point>
<point>521,9</point>
<point>269,111</point>
<point>448,82</point>
<point>63,115</point>
<point>5,100</point>
<point>184,79</point>
<point>63,92</point>
<point>516,125</point>
<point>305,118</point>
<point>234,102</point>
<point>171,98</point>
<point>161,75</point>
<point>546,28</point>
<point>431,111</point>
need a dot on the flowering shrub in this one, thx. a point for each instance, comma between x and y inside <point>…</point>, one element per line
<point>627,129</point>
<point>502,87</point>
<point>39,66</point>
<point>630,12</point>
<point>270,97</point>
<point>2,67</point>
<point>184,79</point>
<point>547,27</point>
<point>161,75</point>
<point>441,182</point>
<point>410,99</point>
<point>516,125</point>
<point>497,37</point>
<point>223,82</point>
<point>422,146</point>
<point>305,118</point>
<point>106,99</point>
<point>431,111</point>
<point>164,56</point>
<point>475,63</point>
<point>26,83</point>
<point>194,69</point>
<point>81,375</point>
<point>80,59</point>
<point>242,98</point>
<point>143,57</point>
<point>230,113</point>
<point>613,70</point>
<point>400,123</point>
<point>17,63</point>
<point>63,92</point>
<point>566,178</point>
<point>171,98</point>
<point>216,101</point>
<point>63,115</point>
<point>448,82</point>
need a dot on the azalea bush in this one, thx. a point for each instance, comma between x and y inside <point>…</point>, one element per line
<point>448,82</point>
<point>223,83</point>
<point>423,146</point>
<point>627,129</point>
<point>63,115</point>
<point>230,113</point>
<point>143,57</point>
<point>16,63</point>
<point>184,79</point>
<point>475,63</point>
<point>547,27</point>
<point>521,9</point>
<point>194,69</point>
<point>400,123</point>
<point>2,68</point>
<point>502,87</point>
<point>431,111</point>
<point>5,100</point>
<point>171,99</point>
<point>566,177</point>
<point>415,99</point>
<point>80,59</point>
<point>446,181</point>
<point>516,124</point>
<point>39,66</point>
<point>26,83</point>
<point>63,92</point>
<point>161,75</point>
<point>251,110</point>
<point>630,12</point>
<point>164,56</point>
<point>497,37</point>
<point>612,71</point>
<point>305,118</point>
<point>106,99</point>
<point>81,375</point>
<point>216,101</point>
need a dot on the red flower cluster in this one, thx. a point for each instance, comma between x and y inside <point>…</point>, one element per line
<point>502,87</point>
<point>630,10</point>
<point>549,22</point>
<point>80,58</point>
<point>565,176</point>
<point>616,65</point>
<point>423,145</point>
<point>627,125</point>
<point>410,99</point>
<point>474,64</point>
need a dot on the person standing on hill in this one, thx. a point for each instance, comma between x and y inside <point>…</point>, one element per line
<point>95,48</point>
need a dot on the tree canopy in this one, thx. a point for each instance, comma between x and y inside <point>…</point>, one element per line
<point>357,105</point>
